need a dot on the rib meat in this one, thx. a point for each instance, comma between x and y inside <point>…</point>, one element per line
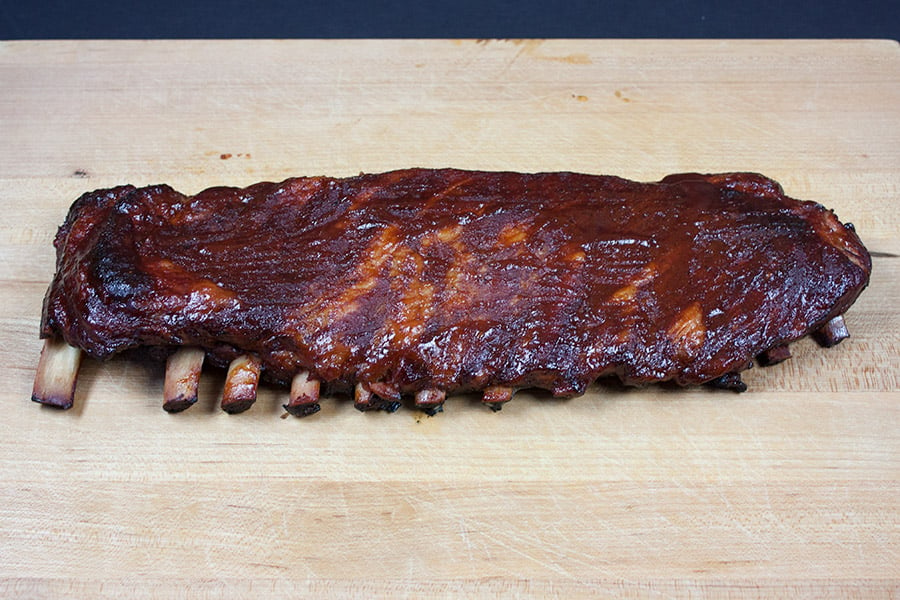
<point>427,282</point>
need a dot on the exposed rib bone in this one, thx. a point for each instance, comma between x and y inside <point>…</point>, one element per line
<point>496,396</point>
<point>304,399</point>
<point>182,379</point>
<point>365,400</point>
<point>431,401</point>
<point>57,372</point>
<point>241,383</point>
<point>774,355</point>
<point>832,332</point>
<point>362,397</point>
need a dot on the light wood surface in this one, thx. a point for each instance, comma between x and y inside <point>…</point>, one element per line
<point>790,489</point>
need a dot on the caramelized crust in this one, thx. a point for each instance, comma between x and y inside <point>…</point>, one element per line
<point>441,281</point>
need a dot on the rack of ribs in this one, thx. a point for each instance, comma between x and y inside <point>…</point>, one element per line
<point>422,283</point>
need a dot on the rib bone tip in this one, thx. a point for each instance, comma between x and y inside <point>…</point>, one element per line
<point>241,384</point>
<point>430,401</point>
<point>362,397</point>
<point>774,355</point>
<point>302,410</point>
<point>57,373</point>
<point>832,333</point>
<point>496,396</point>
<point>178,404</point>
<point>182,379</point>
<point>304,398</point>
<point>365,400</point>
<point>62,402</point>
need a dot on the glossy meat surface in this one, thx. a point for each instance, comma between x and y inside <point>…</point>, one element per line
<point>457,280</point>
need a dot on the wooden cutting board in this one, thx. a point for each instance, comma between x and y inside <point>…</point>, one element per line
<point>790,489</point>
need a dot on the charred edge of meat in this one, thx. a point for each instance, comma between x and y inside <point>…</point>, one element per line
<point>729,381</point>
<point>179,404</point>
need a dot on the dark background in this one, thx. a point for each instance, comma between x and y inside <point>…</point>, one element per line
<point>57,19</point>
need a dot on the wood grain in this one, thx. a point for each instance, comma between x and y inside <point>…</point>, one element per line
<point>788,490</point>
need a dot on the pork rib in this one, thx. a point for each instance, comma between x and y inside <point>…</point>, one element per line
<point>427,282</point>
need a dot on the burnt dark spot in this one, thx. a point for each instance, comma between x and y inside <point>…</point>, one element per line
<point>385,405</point>
<point>302,410</point>
<point>80,174</point>
<point>114,270</point>
<point>179,404</point>
<point>729,381</point>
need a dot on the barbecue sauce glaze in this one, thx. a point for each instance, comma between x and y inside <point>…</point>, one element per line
<point>457,280</point>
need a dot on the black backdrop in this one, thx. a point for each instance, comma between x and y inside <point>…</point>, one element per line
<point>59,19</point>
